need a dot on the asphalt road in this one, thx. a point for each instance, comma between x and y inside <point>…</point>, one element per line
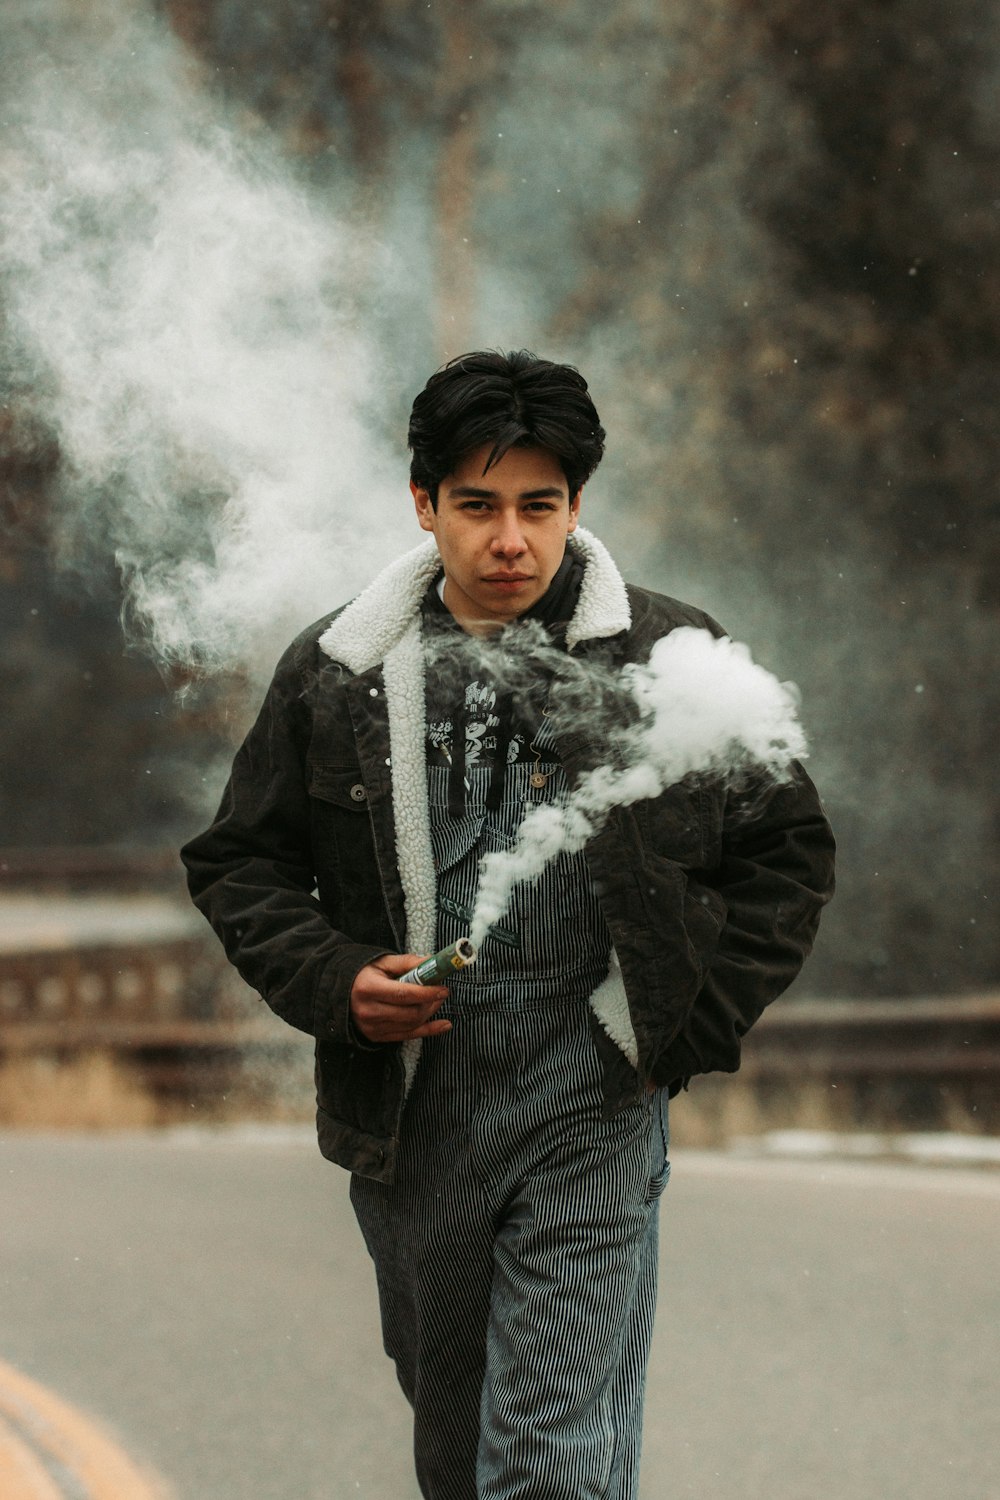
<point>824,1331</point>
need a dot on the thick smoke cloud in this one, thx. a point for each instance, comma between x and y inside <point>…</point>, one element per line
<point>179,315</point>
<point>699,705</point>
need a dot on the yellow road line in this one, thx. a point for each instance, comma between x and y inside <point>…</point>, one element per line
<point>22,1474</point>
<point>41,1435</point>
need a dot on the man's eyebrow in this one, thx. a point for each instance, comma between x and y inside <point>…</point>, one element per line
<point>473,492</point>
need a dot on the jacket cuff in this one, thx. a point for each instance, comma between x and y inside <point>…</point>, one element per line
<point>332,1006</point>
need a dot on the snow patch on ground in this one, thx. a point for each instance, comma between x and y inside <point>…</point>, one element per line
<point>930,1148</point>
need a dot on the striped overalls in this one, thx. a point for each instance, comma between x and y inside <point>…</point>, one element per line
<point>516,1251</point>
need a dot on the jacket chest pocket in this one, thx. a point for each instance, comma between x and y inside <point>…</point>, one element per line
<point>338,786</point>
<point>672,825</point>
<point>343,849</point>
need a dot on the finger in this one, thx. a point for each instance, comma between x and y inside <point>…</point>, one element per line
<point>396,1030</point>
<point>392,993</point>
<point>406,995</point>
<point>398,963</point>
<point>431,1028</point>
<point>377,1010</point>
<point>395,965</point>
<point>389,1033</point>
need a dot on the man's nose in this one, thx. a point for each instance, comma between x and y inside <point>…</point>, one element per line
<point>508,540</point>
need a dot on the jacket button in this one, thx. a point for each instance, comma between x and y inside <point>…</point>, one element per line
<point>358,793</point>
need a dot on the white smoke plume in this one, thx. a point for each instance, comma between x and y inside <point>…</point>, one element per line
<point>704,706</point>
<point>178,315</point>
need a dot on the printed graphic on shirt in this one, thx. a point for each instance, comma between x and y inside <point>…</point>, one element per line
<point>481,723</point>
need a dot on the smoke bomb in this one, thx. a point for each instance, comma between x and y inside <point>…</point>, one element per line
<point>442,965</point>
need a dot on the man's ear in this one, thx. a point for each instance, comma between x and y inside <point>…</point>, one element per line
<point>425,510</point>
<point>574,510</point>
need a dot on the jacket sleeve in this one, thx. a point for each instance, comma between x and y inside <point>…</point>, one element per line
<point>775,875</point>
<point>251,872</point>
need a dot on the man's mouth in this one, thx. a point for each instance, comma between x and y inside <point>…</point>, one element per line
<point>507,578</point>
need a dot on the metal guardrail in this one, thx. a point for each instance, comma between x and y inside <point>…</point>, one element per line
<point>956,1036</point>
<point>171,1008</point>
<point>163,994</point>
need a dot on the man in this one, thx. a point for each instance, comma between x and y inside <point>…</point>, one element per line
<point>506,1133</point>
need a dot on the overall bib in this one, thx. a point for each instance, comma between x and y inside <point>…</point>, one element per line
<point>516,1251</point>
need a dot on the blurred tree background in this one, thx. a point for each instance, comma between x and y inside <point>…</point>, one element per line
<point>768,234</point>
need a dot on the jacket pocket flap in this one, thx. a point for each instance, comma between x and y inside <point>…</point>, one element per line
<point>339,785</point>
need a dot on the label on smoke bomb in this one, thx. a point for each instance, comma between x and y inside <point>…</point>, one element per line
<point>425,973</point>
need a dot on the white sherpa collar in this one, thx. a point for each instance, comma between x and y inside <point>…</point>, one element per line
<point>362,635</point>
<point>602,608</point>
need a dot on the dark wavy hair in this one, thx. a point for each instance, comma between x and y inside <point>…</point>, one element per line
<point>507,400</point>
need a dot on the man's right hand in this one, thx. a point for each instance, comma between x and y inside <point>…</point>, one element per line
<point>383,1010</point>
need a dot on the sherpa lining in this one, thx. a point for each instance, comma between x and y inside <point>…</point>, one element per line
<point>609,1003</point>
<point>403,676</point>
<point>383,625</point>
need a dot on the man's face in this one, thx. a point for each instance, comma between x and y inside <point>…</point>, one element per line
<point>501,535</point>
